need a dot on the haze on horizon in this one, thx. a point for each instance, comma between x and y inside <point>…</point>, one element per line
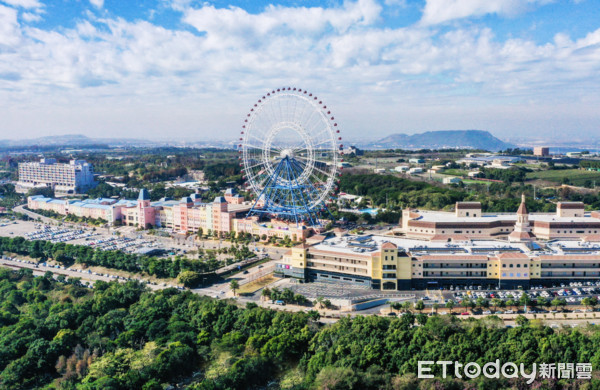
<point>187,69</point>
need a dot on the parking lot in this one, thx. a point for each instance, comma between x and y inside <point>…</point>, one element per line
<point>572,294</point>
<point>89,237</point>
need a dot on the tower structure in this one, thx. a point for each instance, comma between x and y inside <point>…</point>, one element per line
<point>522,230</point>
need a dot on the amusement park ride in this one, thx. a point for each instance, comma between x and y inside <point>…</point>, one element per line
<point>290,149</point>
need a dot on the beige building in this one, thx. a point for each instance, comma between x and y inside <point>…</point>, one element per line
<point>468,222</point>
<point>541,151</point>
<point>386,263</point>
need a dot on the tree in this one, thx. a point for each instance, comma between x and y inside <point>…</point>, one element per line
<point>556,303</point>
<point>266,293</point>
<point>511,302</point>
<point>450,305</point>
<point>189,278</point>
<point>521,320</point>
<point>525,300</point>
<point>336,378</point>
<point>495,302</point>
<point>589,302</point>
<point>234,286</point>
<point>419,305</point>
<point>482,303</point>
<point>320,301</point>
<point>541,301</point>
<point>314,315</point>
<point>436,306</point>
<point>300,299</point>
<point>467,303</point>
<point>396,306</point>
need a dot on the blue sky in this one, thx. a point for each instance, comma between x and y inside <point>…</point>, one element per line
<point>180,69</point>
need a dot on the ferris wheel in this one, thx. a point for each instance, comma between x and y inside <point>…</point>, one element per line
<point>290,149</point>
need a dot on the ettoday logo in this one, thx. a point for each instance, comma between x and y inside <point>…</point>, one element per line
<point>495,370</point>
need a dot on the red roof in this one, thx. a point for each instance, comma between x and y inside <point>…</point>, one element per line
<point>388,245</point>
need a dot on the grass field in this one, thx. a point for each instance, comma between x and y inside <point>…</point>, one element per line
<point>455,172</point>
<point>576,176</point>
<point>256,285</point>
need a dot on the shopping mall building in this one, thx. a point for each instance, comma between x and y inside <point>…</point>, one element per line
<point>467,247</point>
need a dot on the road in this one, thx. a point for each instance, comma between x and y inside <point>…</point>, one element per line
<point>221,290</point>
<point>34,216</point>
<point>91,278</point>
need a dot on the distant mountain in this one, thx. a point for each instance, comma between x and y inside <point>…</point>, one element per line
<point>441,139</point>
<point>74,140</point>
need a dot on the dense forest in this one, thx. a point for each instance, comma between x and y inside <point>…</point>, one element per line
<point>60,335</point>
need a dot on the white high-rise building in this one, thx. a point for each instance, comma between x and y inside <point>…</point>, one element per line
<point>76,177</point>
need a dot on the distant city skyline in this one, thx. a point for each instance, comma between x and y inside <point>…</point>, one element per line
<point>182,69</point>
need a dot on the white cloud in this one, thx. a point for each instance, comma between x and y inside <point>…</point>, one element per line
<point>237,21</point>
<point>154,80</point>
<point>97,3</point>
<point>9,27</point>
<point>31,17</point>
<point>23,3</point>
<point>440,11</point>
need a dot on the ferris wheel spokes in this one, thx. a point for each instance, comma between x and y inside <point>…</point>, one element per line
<point>289,153</point>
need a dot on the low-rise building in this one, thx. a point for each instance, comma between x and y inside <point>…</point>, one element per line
<point>187,215</point>
<point>353,150</point>
<point>569,221</point>
<point>109,210</point>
